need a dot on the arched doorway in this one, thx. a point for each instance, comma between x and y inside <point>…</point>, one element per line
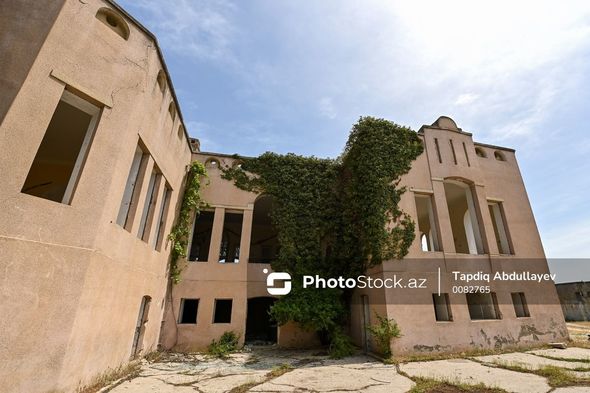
<point>260,329</point>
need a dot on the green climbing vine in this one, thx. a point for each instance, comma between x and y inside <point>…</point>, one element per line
<point>335,217</point>
<point>191,204</point>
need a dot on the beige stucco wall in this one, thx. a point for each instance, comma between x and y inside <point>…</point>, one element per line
<point>73,280</point>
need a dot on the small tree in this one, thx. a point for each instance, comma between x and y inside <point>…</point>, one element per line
<point>383,332</point>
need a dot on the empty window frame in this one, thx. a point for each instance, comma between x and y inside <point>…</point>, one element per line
<point>162,214</point>
<point>480,152</point>
<point>483,306</point>
<point>264,244</point>
<point>426,223</point>
<point>500,228</point>
<point>60,157</point>
<point>189,309</point>
<point>222,312</point>
<point>521,308</point>
<point>114,21</point>
<point>130,197</point>
<point>463,215</point>
<point>201,238</point>
<point>442,307</point>
<point>229,252</point>
<point>151,198</point>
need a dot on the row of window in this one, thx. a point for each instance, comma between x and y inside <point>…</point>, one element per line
<point>264,245</point>
<point>56,168</point>
<point>481,306</point>
<point>131,199</point>
<point>498,155</point>
<point>463,215</point>
<point>189,309</point>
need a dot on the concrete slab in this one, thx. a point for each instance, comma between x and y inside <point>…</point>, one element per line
<point>573,389</point>
<point>470,372</point>
<point>530,361</point>
<point>368,377</point>
<point>569,353</point>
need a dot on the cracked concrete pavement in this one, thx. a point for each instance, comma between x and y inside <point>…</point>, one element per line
<point>268,369</point>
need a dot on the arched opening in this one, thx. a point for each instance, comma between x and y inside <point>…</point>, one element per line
<point>463,217</point>
<point>424,242</point>
<point>480,152</point>
<point>161,79</point>
<point>264,243</point>
<point>113,21</point>
<point>499,156</point>
<point>172,110</point>
<point>260,328</point>
<point>212,163</point>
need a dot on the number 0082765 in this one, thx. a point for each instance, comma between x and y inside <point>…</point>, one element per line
<point>471,289</point>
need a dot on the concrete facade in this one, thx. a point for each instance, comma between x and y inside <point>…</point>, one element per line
<point>575,300</point>
<point>73,280</point>
<point>84,250</point>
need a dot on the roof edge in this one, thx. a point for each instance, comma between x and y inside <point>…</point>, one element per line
<point>162,61</point>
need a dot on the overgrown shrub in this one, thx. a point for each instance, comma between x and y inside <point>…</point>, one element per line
<point>334,217</point>
<point>383,332</point>
<point>340,345</point>
<point>227,343</point>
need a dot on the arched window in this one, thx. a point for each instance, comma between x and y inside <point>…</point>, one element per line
<point>212,163</point>
<point>499,156</point>
<point>161,79</point>
<point>180,132</point>
<point>480,152</point>
<point>424,242</point>
<point>172,110</point>
<point>114,21</point>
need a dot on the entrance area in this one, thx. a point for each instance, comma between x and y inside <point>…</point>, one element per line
<point>260,329</point>
<point>142,319</point>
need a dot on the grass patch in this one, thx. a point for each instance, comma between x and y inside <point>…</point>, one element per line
<point>459,355</point>
<point>279,370</point>
<point>426,385</point>
<point>244,388</point>
<point>580,344</point>
<point>274,373</point>
<point>123,373</point>
<point>572,360</point>
<point>556,377</point>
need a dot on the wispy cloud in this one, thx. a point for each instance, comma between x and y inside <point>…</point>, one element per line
<point>200,29</point>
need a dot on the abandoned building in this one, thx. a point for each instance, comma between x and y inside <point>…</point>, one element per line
<point>94,156</point>
<point>575,300</point>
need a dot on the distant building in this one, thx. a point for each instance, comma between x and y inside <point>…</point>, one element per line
<point>93,157</point>
<point>575,300</point>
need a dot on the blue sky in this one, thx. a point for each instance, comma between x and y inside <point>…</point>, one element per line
<point>293,76</point>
